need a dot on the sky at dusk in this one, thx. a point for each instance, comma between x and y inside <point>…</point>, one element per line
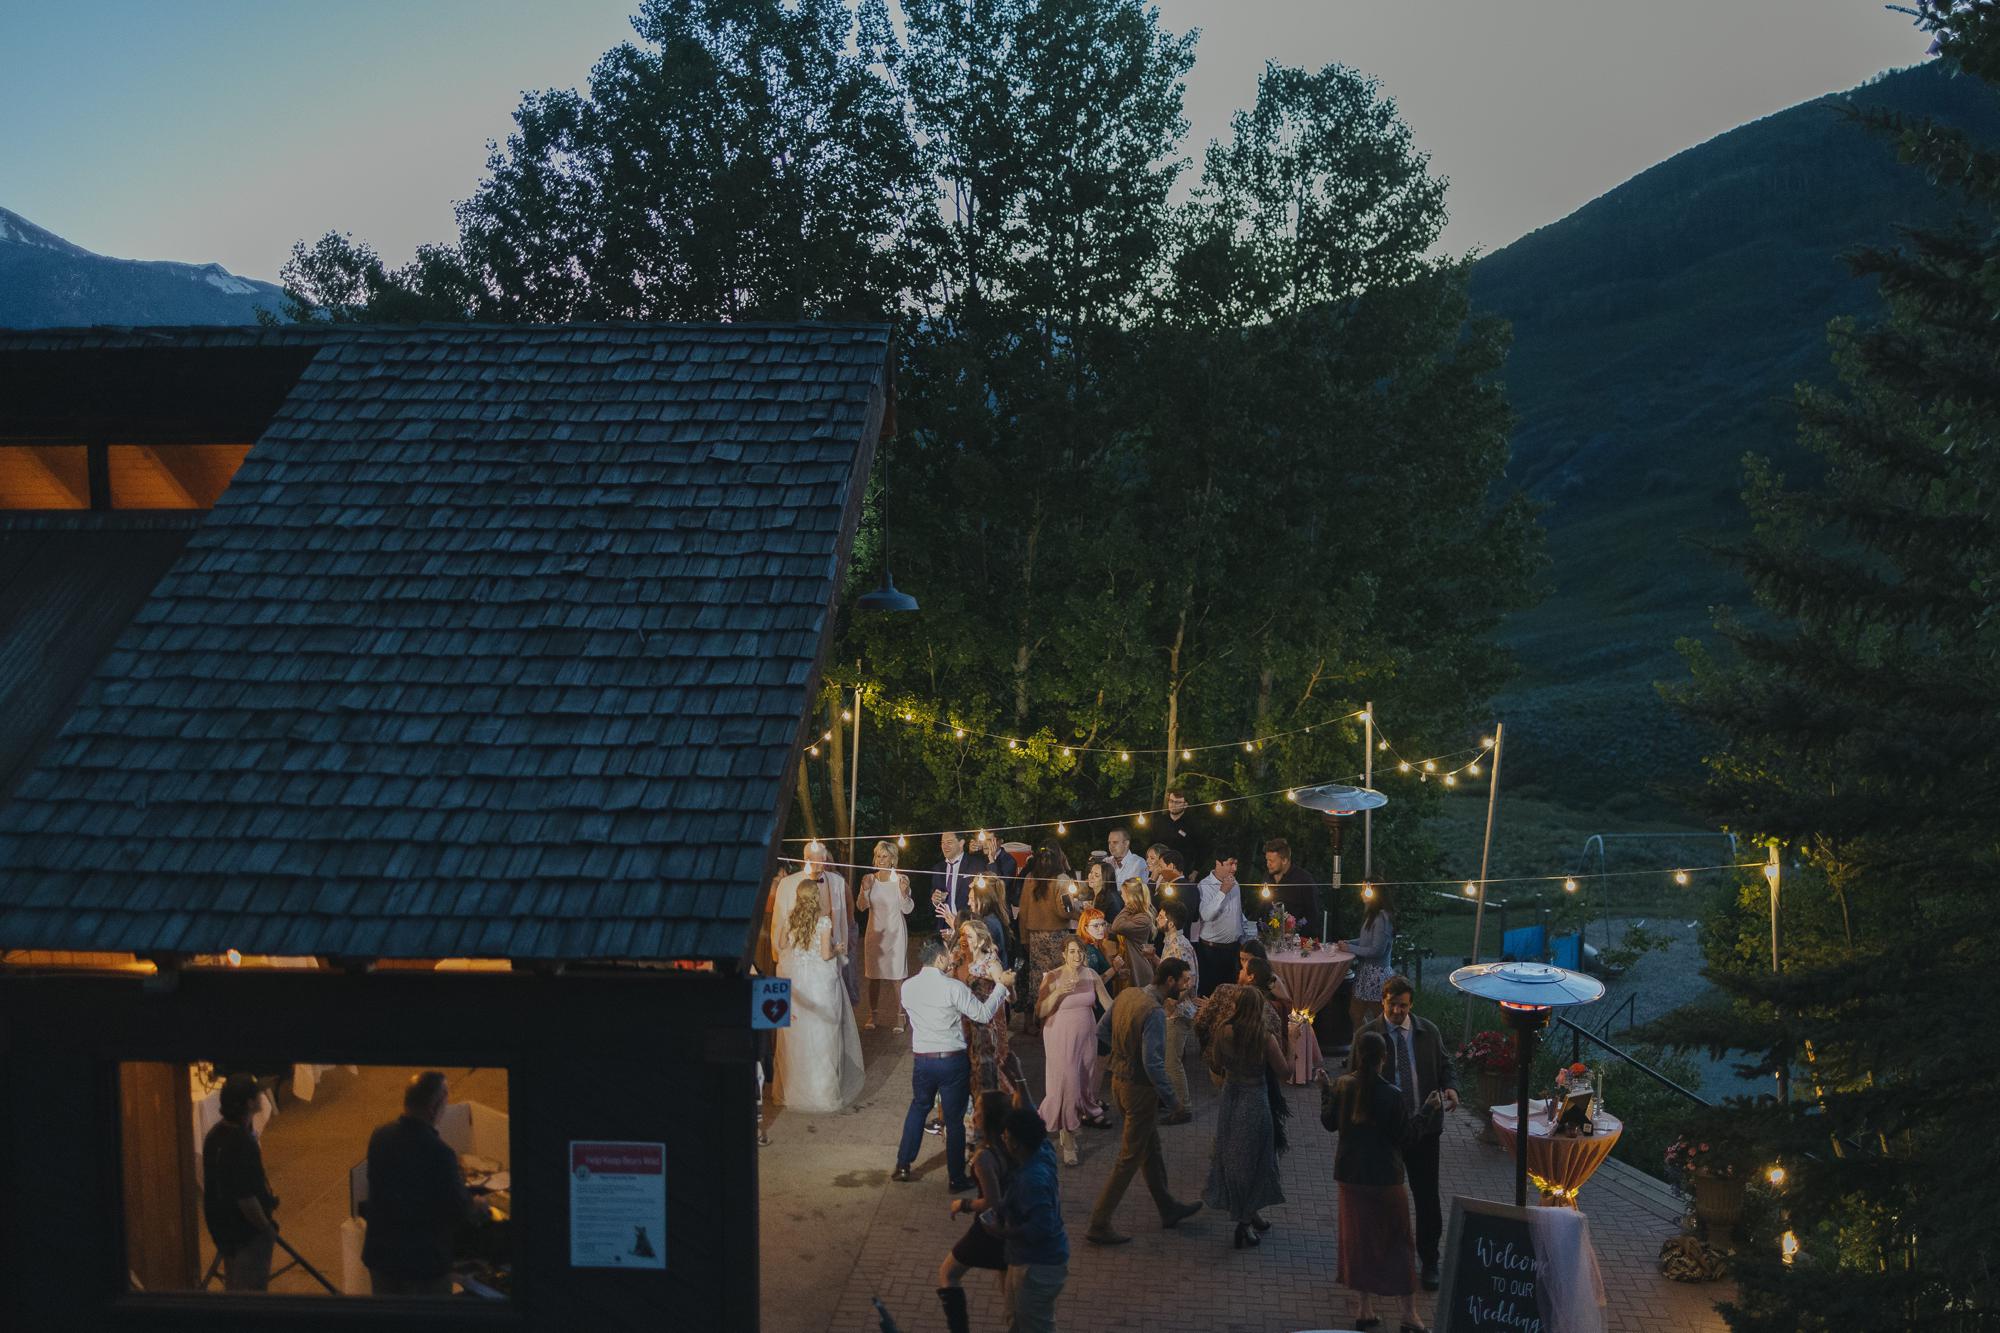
<point>224,130</point>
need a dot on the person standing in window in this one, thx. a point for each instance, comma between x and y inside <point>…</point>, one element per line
<point>236,1199</point>
<point>417,1198</point>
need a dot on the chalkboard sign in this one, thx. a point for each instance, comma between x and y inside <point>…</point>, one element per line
<point>1489,1271</point>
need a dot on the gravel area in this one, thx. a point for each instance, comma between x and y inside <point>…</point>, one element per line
<point>1662,981</point>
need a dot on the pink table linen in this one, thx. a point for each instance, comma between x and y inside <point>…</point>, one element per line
<point>1558,1164</point>
<point>1311,979</point>
<point>1306,1061</point>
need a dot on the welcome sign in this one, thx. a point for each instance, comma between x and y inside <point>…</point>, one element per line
<point>1489,1271</point>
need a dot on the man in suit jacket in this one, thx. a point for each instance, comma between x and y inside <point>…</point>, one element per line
<point>1419,1065</point>
<point>949,888</point>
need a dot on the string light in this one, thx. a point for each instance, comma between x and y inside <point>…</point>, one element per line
<point>1776,1175</point>
<point>846,715</point>
<point>1403,767</point>
<point>902,841</point>
<point>1367,893</point>
<point>1471,889</point>
<point>1771,873</point>
<point>1485,742</point>
<point>960,731</point>
<point>1061,828</point>
<point>1217,807</point>
<point>1451,779</point>
<point>1140,819</point>
<point>1430,766</point>
<point>1364,716</point>
<point>1569,885</point>
<point>1788,1246</point>
<point>1681,877</point>
<point>1381,745</point>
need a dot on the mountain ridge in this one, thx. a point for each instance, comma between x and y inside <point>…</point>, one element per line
<point>49,282</point>
<point>1659,333</point>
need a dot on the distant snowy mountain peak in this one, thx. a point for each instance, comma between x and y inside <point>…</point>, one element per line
<point>17,230</point>
<point>47,282</point>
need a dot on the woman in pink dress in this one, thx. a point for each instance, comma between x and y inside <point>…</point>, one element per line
<point>1068,1008</point>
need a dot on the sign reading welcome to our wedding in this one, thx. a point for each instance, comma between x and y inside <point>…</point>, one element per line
<point>1489,1271</point>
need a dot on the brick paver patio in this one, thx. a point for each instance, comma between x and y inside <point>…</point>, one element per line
<point>838,1234</point>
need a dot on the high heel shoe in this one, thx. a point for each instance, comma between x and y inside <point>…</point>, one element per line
<point>1259,1223</point>
<point>1245,1236</point>
<point>1068,1141</point>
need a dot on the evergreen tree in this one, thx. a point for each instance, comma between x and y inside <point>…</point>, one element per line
<point>1861,717</point>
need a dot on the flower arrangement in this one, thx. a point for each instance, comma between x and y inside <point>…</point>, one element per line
<point>1489,1052</point>
<point>1576,1076</point>
<point>1700,1158</point>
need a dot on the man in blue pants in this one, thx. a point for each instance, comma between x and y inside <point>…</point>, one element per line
<point>935,1001</point>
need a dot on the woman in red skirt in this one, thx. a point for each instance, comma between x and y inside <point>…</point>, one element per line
<point>1378,1247</point>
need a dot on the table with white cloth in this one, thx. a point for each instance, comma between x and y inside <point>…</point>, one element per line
<point>1559,1164</point>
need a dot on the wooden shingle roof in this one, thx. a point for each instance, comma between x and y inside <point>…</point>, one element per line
<point>500,643</point>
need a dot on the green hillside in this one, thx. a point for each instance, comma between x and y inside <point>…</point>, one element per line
<point>1658,334</point>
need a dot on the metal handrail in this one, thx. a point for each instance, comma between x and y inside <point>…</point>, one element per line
<point>1627,1007</point>
<point>1578,1034</point>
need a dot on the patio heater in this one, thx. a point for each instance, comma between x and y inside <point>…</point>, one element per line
<point>1335,801</point>
<point>1527,994</point>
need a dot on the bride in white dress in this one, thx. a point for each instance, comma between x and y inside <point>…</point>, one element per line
<point>818,1059</point>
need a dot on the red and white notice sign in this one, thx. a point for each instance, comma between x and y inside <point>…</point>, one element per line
<point>617,1205</point>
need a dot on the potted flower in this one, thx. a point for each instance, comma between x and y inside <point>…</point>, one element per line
<point>1714,1173</point>
<point>1490,1058</point>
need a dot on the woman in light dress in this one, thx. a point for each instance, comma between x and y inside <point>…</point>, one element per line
<point>1068,1003</point>
<point>885,948</point>
<point>818,1060</point>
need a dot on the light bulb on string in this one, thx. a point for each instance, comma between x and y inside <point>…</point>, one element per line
<point>1061,828</point>
<point>1187,754</point>
<point>1364,716</point>
<point>1403,767</point>
<point>1472,770</point>
<point>813,750</point>
<point>1292,795</point>
<point>1430,766</point>
<point>1681,877</point>
<point>1471,889</point>
<point>1218,807</point>
<point>1267,895</point>
<point>1381,745</point>
<point>1451,779</point>
<point>1776,1175</point>
<point>1771,873</point>
<point>1140,819</point>
<point>1247,747</point>
<point>1125,755</point>
<point>1013,745</point>
<point>1486,742</point>
<point>1066,749</point>
<point>1367,893</point>
<point>1788,1246</point>
<point>846,715</point>
<point>1569,886</point>
<point>902,841</point>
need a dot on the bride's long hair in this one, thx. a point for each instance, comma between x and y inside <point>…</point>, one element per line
<point>805,916</point>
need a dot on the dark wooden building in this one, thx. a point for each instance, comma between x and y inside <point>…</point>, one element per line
<point>375,647</point>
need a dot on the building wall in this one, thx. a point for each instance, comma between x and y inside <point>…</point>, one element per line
<point>657,1057</point>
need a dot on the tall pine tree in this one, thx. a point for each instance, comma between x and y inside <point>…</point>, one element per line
<point>1860,713</point>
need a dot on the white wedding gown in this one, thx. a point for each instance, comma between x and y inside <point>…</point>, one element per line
<point>818,1059</point>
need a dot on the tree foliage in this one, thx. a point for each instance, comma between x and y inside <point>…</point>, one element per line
<point>1166,473</point>
<point>1862,716</point>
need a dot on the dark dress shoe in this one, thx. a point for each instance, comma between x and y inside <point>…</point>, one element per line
<point>902,1173</point>
<point>1431,1276</point>
<point>961,1186</point>
<point>1106,1238</point>
<point>1180,1213</point>
<point>1180,1117</point>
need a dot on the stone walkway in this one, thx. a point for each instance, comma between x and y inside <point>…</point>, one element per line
<point>837,1234</point>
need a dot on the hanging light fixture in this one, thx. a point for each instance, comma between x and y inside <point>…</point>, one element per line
<point>888,597</point>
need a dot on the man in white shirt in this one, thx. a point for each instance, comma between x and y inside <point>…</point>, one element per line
<point>1221,923</point>
<point>935,1001</point>
<point>1125,863</point>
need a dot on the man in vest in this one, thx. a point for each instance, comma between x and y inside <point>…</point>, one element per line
<point>1134,1036</point>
